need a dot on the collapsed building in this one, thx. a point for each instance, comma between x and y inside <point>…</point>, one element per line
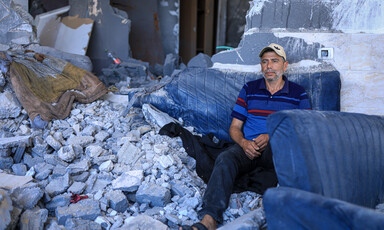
<point>92,156</point>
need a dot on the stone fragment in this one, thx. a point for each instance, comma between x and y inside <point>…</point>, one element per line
<point>155,116</point>
<point>103,221</point>
<point>87,209</point>
<point>143,222</point>
<point>33,218</point>
<point>9,142</point>
<point>252,220</point>
<point>101,136</point>
<point>80,140</point>
<point>106,166</point>
<point>80,224</point>
<point>6,162</point>
<point>51,141</point>
<point>5,209</point>
<point>88,131</point>
<point>128,181</point>
<point>117,200</point>
<point>58,186</point>
<point>9,181</point>
<point>201,60</point>
<point>58,201</point>
<point>66,153</point>
<point>77,188</point>
<point>94,151</point>
<point>26,197</point>
<point>166,161</point>
<point>153,194</point>
<point>160,148</point>
<point>127,153</point>
<point>79,167</point>
<point>9,106</point>
<point>19,169</point>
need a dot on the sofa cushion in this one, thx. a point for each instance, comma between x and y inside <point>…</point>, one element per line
<point>335,154</point>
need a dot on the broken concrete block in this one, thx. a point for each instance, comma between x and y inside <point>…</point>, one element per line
<point>144,222</point>
<point>9,181</point>
<point>127,153</point>
<point>128,181</point>
<point>80,224</point>
<point>106,166</point>
<point>15,27</point>
<point>33,218</point>
<point>80,140</point>
<point>170,64</point>
<point>9,142</point>
<point>66,153</point>
<point>5,209</point>
<point>19,169</point>
<point>9,106</point>
<point>201,60</point>
<point>154,115</point>
<point>27,198</point>
<point>6,162</point>
<point>58,201</point>
<point>77,188</point>
<point>87,209</point>
<point>94,151</point>
<point>58,186</point>
<point>153,194</point>
<point>53,142</point>
<point>117,200</point>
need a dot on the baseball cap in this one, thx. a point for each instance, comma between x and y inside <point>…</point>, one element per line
<point>275,47</point>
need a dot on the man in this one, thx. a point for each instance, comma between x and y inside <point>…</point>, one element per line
<point>257,99</point>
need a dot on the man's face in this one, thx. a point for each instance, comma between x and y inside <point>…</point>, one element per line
<point>272,66</point>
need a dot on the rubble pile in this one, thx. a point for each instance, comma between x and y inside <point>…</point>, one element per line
<point>97,169</point>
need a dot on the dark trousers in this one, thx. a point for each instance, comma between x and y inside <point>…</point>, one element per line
<point>229,165</point>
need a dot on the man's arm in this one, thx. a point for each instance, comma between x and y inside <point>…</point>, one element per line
<point>250,147</point>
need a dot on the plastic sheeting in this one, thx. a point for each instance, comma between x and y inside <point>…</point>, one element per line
<point>204,97</point>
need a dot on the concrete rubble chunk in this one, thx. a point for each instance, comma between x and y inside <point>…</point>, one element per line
<point>66,153</point>
<point>153,194</point>
<point>200,60</point>
<point>58,186</point>
<point>9,106</point>
<point>58,201</point>
<point>77,188</point>
<point>107,166</point>
<point>80,140</point>
<point>94,151</point>
<point>5,209</point>
<point>33,218</point>
<point>128,153</point>
<point>117,200</point>
<point>143,222</point>
<point>80,224</point>
<point>53,142</point>
<point>9,142</point>
<point>27,198</point>
<point>154,115</point>
<point>128,181</point>
<point>87,209</point>
<point>8,181</point>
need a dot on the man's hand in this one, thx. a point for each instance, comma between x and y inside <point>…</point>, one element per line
<point>251,149</point>
<point>261,141</point>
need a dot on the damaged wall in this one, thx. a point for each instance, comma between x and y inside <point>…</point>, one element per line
<point>355,32</point>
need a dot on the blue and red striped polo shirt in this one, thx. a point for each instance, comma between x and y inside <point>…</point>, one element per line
<point>255,103</point>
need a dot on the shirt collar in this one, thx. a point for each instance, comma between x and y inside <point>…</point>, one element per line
<point>283,90</point>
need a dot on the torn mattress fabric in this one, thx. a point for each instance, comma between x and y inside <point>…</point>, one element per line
<point>47,86</point>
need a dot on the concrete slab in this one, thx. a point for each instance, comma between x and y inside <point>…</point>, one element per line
<point>8,181</point>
